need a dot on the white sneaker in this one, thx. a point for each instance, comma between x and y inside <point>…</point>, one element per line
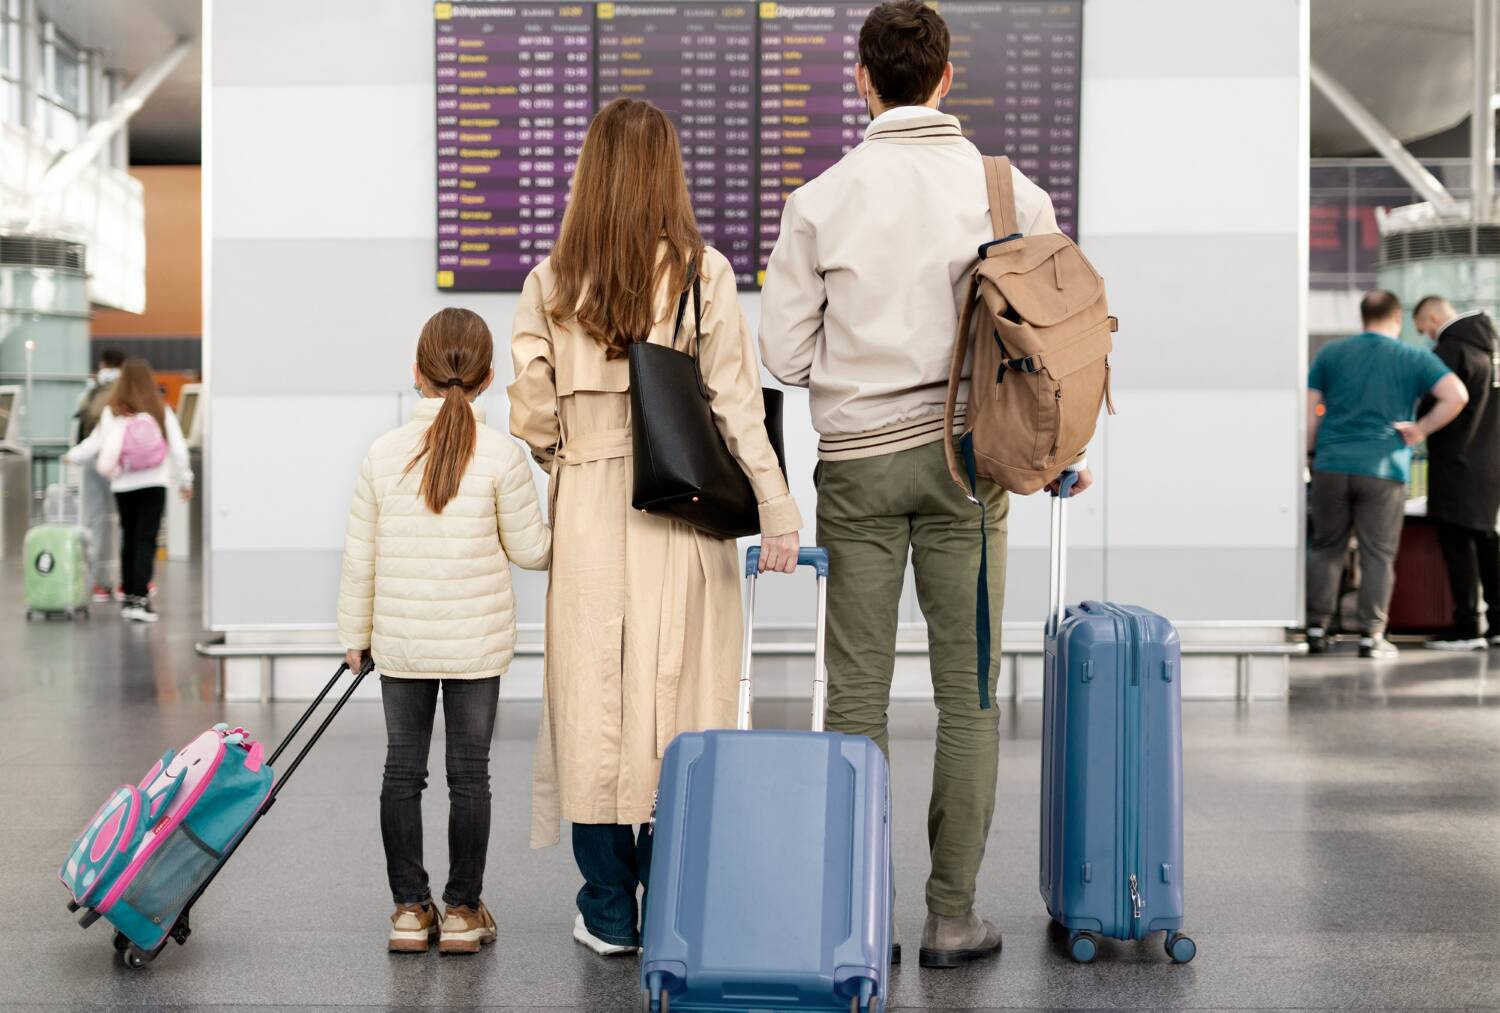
<point>1457,644</point>
<point>582,935</point>
<point>138,610</point>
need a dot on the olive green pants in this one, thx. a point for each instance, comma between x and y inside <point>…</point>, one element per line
<point>871,513</point>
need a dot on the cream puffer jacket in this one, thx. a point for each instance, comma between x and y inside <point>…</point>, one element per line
<point>430,594</point>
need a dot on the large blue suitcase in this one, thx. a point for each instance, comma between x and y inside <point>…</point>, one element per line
<point>770,879</point>
<point>1111,769</point>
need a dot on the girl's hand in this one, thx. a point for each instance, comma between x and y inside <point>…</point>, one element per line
<point>779,553</point>
<point>356,660</point>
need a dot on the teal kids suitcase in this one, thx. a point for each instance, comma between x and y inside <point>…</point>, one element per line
<point>57,571</point>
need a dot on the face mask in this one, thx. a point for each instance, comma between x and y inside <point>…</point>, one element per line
<point>107,375</point>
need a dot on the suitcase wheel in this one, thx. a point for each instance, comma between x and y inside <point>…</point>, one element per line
<point>134,957</point>
<point>121,941</point>
<point>1180,948</point>
<point>661,1005</point>
<point>1083,947</point>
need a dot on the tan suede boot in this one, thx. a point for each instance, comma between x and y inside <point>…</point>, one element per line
<point>951,942</point>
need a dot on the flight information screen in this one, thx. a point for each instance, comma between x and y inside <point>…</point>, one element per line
<point>762,95</point>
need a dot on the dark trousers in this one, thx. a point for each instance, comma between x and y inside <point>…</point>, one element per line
<point>1373,509</point>
<point>140,525</point>
<point>614,860</point>
<point>469,715</point>
<point>1473,559</point>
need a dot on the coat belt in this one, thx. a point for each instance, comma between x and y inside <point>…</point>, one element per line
<point>600,446</point>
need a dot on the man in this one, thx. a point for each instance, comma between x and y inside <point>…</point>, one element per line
<point>860,304</point>
<point>1463,477</point>
<point>96,501</point>
<point>1367,387</point>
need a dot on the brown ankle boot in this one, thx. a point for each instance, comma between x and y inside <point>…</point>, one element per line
<point>951,942</point>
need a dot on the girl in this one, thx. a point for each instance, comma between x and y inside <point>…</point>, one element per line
<point>138,447</point>
<point>443,505</point>
<point>643,613</point>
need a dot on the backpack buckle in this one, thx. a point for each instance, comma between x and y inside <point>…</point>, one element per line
<point>1026,365</point>
<point>984,249</point>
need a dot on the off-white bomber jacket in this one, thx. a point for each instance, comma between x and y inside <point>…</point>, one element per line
<point>430,594</point>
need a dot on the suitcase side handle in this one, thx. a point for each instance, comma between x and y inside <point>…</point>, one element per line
<point>817,558</point>
<point>811,555</point>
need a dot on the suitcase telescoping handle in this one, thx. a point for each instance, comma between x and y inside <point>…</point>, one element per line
<point>1057,578</point>
<point>817,559</point>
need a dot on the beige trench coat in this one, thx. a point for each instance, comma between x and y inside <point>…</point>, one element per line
<point>643,613</point>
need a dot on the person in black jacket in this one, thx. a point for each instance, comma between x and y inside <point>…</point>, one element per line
<point>1464,472</point>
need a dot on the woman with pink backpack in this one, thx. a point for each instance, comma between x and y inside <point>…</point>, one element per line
<point>138,446</point>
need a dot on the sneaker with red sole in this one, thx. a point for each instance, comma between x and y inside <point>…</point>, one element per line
<point>102,594</point>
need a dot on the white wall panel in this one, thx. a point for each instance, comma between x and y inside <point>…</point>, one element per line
<point>1189,38</point>
<point>286,467</point>
<point>330,161</point>
<point>1204,468</point>
<point>1190,156</point>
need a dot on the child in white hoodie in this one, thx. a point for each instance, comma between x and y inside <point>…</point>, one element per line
<point>442,507</point>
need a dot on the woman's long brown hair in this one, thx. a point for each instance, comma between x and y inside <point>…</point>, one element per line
<point>629,195</point>
<point>454,355</point>
<point>136,393</point>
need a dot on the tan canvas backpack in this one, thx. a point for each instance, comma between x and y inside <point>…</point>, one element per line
<point>1041,366</point>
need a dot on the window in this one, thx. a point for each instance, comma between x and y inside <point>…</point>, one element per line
<point>62,89</point>
<point>10,61</point>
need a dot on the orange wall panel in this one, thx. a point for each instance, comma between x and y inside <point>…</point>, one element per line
<point>174,259</point>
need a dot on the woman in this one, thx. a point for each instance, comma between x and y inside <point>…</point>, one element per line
<point>139,448</point>
<point>643,613</point>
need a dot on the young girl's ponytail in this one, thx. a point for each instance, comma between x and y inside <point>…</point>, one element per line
<point>454,355</point>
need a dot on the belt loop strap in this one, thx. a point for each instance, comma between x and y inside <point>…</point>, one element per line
<point>982,590</point>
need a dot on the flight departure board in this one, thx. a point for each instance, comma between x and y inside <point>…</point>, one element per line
<point>762,94</point>
<point>695,62</point>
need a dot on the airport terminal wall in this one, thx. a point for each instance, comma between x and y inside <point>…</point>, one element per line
<point>320,235</point>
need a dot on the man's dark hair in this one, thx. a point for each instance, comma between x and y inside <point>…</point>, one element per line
<point>111,358</point>
<point>1377,306</point>
<point>903,46</point>
<point>1426,299</point>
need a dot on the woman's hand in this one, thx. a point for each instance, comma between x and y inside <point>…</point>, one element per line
<point>779,553</point>
<point>356,660</point>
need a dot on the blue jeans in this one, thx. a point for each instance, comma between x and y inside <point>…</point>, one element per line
<point>469,716</point>
<point>614,860</point>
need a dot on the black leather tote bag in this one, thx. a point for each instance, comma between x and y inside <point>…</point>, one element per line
<point>683,469</point>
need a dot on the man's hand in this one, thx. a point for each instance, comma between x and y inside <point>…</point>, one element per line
<point>1085,479</point>
<point>1411,433</point>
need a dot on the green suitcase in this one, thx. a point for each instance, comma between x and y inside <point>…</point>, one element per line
<point>57,571</point>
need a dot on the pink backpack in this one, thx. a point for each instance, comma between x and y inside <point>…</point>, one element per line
<point>144,446</point>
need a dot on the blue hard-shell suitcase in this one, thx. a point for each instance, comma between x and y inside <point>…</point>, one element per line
<point>771,867</point>
<point>1111,770</point>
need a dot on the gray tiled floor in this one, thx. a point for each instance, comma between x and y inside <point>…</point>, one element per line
<point>1343,850</point>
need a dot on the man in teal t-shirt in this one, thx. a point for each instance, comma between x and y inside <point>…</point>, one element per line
<point>1362,394</point>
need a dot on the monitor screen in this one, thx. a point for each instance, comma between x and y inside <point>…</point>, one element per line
<point>9,424</point>
<point>762,94</point>
<point>187,411</point>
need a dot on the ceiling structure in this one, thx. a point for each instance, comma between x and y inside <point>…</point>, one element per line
<point>1409,63</point>
<point>133,35</point>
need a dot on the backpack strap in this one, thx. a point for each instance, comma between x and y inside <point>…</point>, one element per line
<point>955,377</point>
<point>1002,190</point>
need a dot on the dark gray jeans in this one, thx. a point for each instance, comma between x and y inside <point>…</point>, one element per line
<point>469,717</point>
<point>1373,509</point>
